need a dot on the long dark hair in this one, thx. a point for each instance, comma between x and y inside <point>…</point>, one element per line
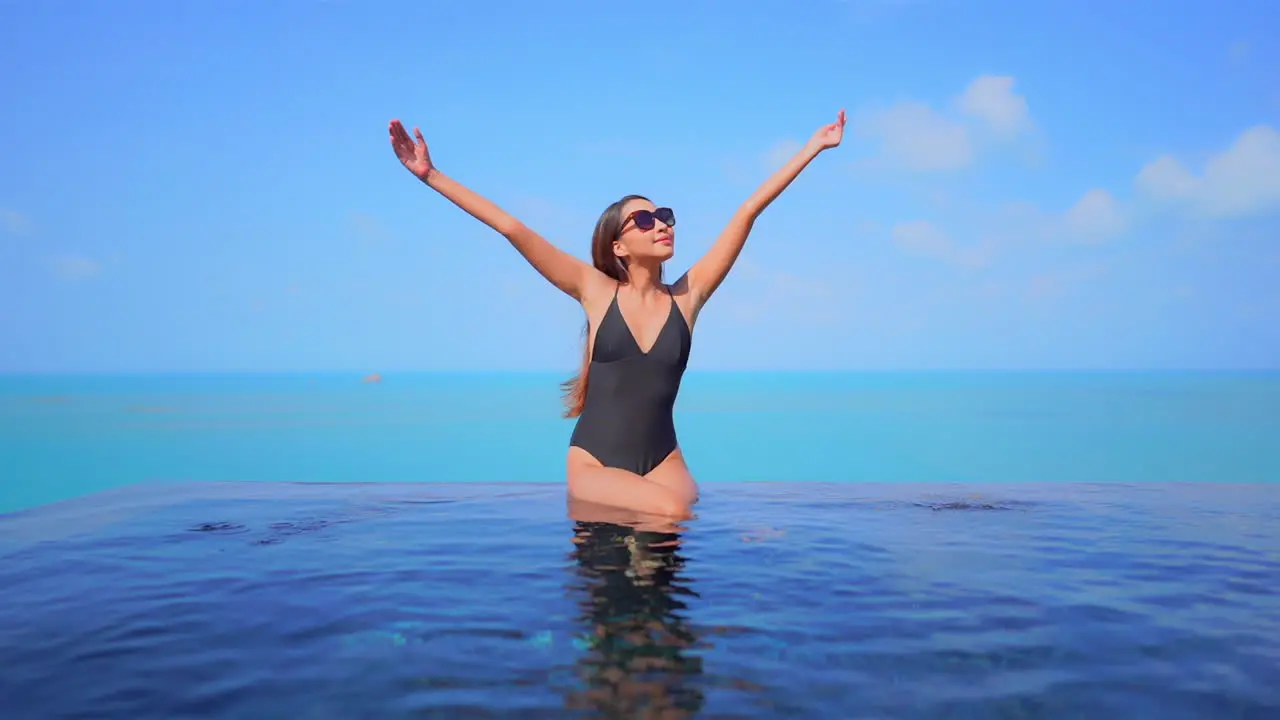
<point>607,262</point>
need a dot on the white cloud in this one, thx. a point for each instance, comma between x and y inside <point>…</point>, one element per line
<point>75,267</point>
<point>760,294</point>
<point>1096,216</point>
<point>1061,282</point>
<point>1016,227</point>
<point>914,136</point>
<point>556,220</point>
<point>923,238</point>
<point>1166,178</point>
<point>14,222</point>
<point>1243,179</point>
<point>991,99</point>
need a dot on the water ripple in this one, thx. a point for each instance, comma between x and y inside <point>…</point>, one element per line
<point>262,600</point>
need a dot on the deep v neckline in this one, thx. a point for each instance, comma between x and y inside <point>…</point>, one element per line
<point>631,333</point>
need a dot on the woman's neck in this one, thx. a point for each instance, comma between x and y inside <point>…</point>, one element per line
<point>645,280</point>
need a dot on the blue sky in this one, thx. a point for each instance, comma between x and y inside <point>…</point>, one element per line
<point>209,186</point>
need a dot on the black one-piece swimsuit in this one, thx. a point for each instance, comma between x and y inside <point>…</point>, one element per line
<point>626,420</point>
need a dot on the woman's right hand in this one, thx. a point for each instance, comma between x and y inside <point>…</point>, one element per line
<point>413,155</point>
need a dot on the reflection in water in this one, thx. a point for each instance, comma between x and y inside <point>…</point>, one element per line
<point>636,660</point>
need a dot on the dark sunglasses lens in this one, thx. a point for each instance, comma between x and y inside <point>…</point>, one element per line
<point>666,215</point>
<point>644,219</point>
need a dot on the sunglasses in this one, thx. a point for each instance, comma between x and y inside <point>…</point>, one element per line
<point>644,218</point>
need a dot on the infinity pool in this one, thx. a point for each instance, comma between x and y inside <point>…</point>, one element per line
<point>271,600</point>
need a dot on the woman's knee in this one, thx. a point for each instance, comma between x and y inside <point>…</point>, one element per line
<point>671,505</point>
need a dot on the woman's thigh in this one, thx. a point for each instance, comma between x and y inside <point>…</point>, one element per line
<point>673,474</point>
<point>591,482</point>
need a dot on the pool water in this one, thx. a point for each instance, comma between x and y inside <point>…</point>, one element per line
<point>800,600</point>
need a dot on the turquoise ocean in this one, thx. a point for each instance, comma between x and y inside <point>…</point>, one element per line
<point>66,436</point>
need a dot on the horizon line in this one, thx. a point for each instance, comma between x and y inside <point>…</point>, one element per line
<point>705,371</point>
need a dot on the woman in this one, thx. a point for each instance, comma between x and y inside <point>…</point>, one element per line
<point>623,452</point>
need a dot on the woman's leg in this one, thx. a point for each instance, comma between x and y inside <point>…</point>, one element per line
<point>673,474</point>
<point>588,512</point>
<point>591,482</point>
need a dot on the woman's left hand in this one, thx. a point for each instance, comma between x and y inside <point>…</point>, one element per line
<point>828,136</point>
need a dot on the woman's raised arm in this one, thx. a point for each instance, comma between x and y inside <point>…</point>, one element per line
<point>710,270</point>
<point>563,270</point>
